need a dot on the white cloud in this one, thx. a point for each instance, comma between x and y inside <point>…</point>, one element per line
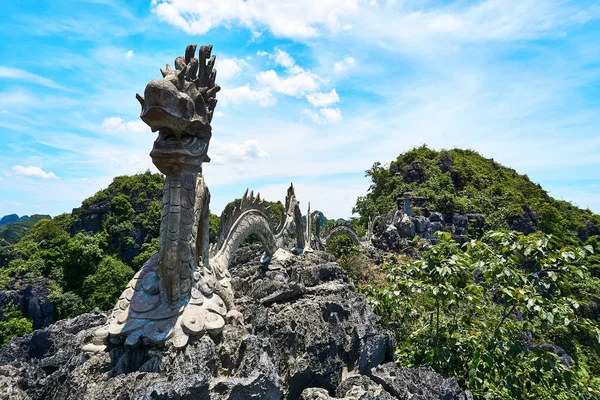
<point>345,64</point>
<point>284,59</point>
<point>325,115</point>
<point>4,112</point>
<point>15,73</point>
<point>294,85</point>
<point>12,203</point>
<point>230,67</point>
<point>129,54</point>
<point>255,36</point>
<point>242,94</point>
<point>31,171</point>
<point>118,125</point>
<point>323,99</point>
<point>218,114</point>
<point>290,18</point>
<point>222,153</point>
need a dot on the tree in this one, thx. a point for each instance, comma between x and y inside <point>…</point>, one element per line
<point>478,313</point>
<point>103,288</point>
<point>13,324</point>
<point>83,253</point>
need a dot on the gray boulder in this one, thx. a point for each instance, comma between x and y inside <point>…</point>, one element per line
<point>436,217</point>
<point>307,334</point>
<point>461,224</point>
<point>406,228</point>
<point>421,224</point>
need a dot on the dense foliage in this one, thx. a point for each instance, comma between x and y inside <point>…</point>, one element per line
<point>482,313</point>
<point>465,182</point>
<point>12,232</point>
<point>87,257</point>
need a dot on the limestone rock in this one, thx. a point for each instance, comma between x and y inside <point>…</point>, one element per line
<point>315,338</point>
<point>406,228</point>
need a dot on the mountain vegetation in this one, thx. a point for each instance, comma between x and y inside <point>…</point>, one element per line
<point>15,229</point>
<point>512,313</point>
<point>465,182</point>
<point>7,219</point>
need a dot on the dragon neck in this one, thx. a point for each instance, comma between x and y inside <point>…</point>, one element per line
<point>251,222</point>
<point>183,196</point>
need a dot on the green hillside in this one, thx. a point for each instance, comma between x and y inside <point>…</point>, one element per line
<point>12,232</point>
<point>463,181</point>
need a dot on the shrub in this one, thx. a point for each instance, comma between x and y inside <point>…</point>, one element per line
<point>103,288</point>
<point>463,312</point>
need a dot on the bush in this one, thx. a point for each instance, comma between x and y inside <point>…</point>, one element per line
<point>13,324</point>
<point>103,288</point>
<point>68,305</point>
<point>463,312</point>
<point>341,245</point>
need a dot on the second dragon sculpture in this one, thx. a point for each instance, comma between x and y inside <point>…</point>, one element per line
<point>184,289</point>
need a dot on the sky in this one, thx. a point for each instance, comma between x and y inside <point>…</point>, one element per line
<point>314,92</point>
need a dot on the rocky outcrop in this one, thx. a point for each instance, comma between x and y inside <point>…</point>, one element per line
<point>307,334</point>
<point>527,222</point>
<point>30,295</point>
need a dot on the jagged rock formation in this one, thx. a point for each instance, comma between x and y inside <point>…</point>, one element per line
<point>31,297</point>
<point>395,231</point>
<point>307,334</point>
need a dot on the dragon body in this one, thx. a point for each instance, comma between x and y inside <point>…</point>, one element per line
<point>184,289</point>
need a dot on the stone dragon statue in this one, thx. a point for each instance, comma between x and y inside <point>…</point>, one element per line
<point>184,289</point>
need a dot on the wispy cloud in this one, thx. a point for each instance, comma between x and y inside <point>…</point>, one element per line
<point>248,150</point>
<point>345,64</point>
<point>34,172</point>
<point>242,94</point>
<point>119,125</point>
<point>20,74</point>
<point>323,99</point>
<point>292,18</point>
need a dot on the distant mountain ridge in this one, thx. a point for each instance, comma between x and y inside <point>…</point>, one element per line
<point>13,231</point>
<point>10,218</point>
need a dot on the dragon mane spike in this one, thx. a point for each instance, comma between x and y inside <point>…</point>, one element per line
<point>192,69</point>
<point>167,67</point>
<point>181,77</point>
<point>190,50</point>
<point>252,195</point>
<point>141,100</point>
<point>164,72</point>
<point>258,197</point>
<point>244,199</point>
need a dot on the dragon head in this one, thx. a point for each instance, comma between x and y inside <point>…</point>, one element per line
<point>180,107</point>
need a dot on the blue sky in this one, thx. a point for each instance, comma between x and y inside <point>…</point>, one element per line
<point>314,92</point>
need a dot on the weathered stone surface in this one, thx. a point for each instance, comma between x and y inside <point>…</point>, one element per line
<point>323,337</point>
<point>421,224</point>
<point>388,240</point>
<point>526,223</point>
<point>461,224</point>
<point>564,357</point>
<point>414,172</point>
<point>406,228</point>
<point>436,217</point>
<point>31,297</point>
<point>445,162</point>
<point>417,383</point>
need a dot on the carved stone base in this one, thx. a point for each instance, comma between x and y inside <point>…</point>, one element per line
<point>141,314</point>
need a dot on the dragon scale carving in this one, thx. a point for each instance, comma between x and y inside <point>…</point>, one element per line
<point>184,289</point>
